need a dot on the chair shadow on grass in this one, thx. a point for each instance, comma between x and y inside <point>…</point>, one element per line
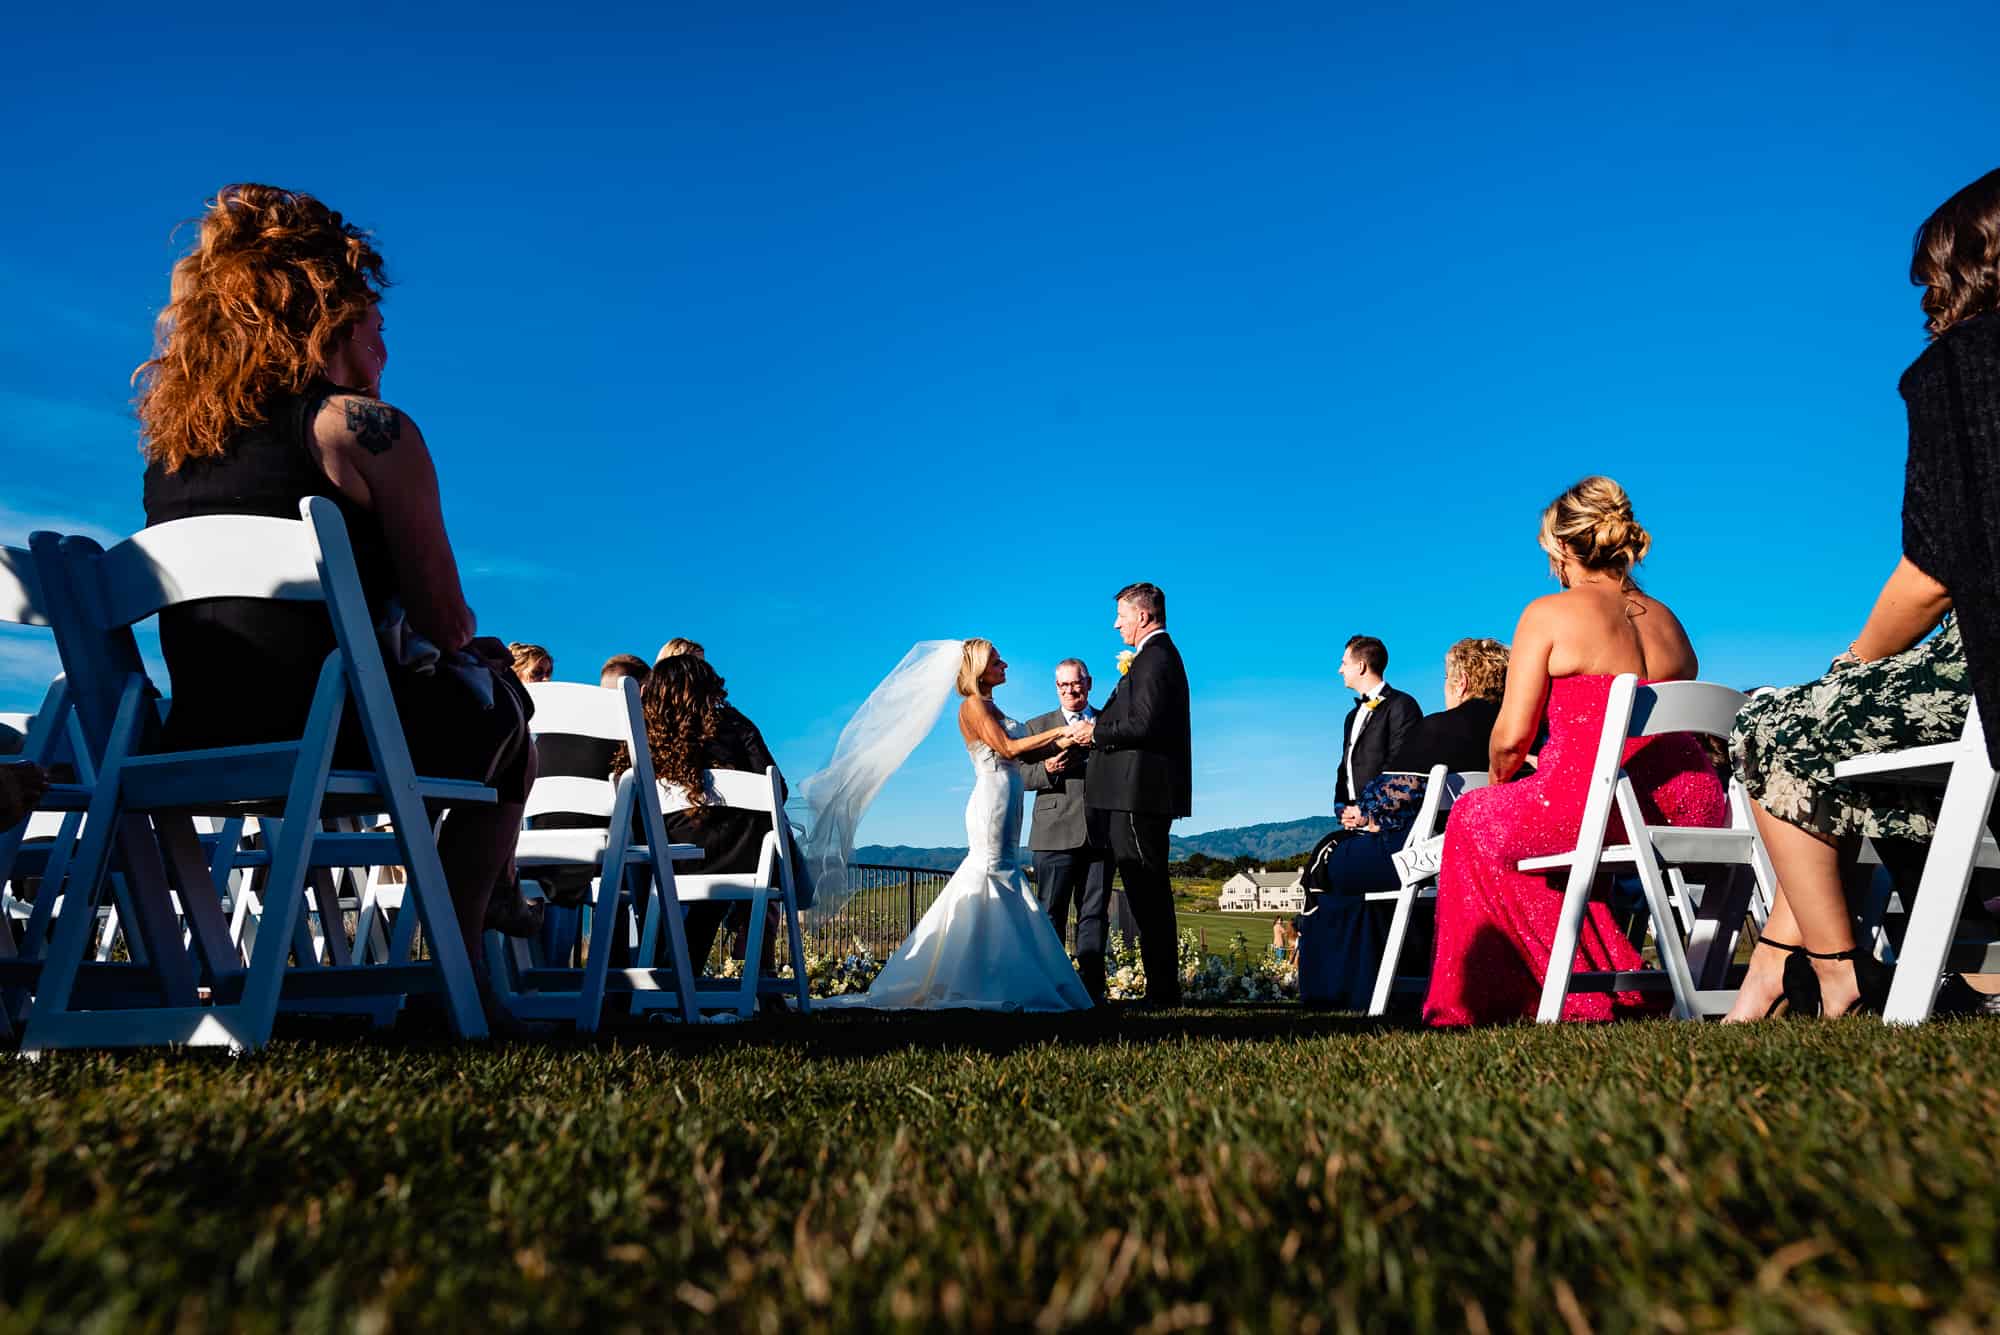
<point>861,1035</point>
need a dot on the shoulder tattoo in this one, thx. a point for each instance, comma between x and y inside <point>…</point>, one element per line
<point>374,423</point>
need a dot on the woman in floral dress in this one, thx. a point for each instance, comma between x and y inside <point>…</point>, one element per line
<point>1893,687</point>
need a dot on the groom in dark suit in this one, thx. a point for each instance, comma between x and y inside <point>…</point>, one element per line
<point>1142,777</point>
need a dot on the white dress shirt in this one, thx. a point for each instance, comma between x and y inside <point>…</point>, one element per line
<point>1140,647</point>
<point>1354,734</point>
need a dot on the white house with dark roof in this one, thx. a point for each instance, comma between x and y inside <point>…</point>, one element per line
<point>1262,891</point>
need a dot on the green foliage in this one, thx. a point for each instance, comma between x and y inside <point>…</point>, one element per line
<point>1248,1168</point>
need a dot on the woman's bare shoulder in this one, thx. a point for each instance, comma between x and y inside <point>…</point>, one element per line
<point>360,422</point>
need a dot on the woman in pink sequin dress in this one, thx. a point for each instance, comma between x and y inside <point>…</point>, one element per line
<point>1495,924</point>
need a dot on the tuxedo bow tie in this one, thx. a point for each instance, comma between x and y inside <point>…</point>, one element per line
<point>1361,702</point>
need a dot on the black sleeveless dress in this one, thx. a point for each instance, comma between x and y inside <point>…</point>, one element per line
<point>244,669</point>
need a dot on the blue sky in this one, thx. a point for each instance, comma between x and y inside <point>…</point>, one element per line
<point>813,333</point>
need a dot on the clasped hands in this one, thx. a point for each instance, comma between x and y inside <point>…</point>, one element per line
<point>1083,732</point>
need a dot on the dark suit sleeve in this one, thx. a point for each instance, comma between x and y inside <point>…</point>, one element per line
<point>1143,695</point>
<point>1035,773</point>
<point>1404,716</point>
<point>759,755</point>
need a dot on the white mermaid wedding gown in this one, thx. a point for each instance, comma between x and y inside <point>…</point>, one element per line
<point>985,944</point>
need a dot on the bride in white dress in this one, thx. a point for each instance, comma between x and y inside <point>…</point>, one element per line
<point>985,943</point>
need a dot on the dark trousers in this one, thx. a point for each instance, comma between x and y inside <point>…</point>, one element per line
<point>703,920</point>
<point>1139,846</point>
<point>1081,876</point>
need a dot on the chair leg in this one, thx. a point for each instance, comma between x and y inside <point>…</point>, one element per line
<point>1392,950</point>
<point>1562,954</point>
<point>795,940</point>
<point>1933,916</point>
<point>604,920</point>
<point>1666,926</point>
<point>753,958</point>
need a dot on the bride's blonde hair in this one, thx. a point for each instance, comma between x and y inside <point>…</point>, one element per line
<point>972,665</point>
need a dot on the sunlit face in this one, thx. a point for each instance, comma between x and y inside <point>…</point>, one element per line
<point>1454,687</point>
<point>996,672</point>
<point>1352,671</point>
<point>1072,687</point>
<point>1132,624</point>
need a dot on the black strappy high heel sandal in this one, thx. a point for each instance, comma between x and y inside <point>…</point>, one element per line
<point>1800,994</point>
<point>1871,977</point>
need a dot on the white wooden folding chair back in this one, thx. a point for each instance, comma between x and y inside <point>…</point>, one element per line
<point>1682,922</point>
<point>101,595</point>
<point>50,738</point>
<point>1416,864</point>
<point>644,869</point>
<point>774,879</point>
<point>1966,773</point>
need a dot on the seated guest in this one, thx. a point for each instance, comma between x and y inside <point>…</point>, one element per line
<point>1892,688</point>
<point>691,727</point>
<point>616,669</point>
<point>677,646</point>
<point>1375,728</point>
<point>1495,924</point>
<point>264,389</point>
<point>532,663</point>
<point>1344,934</point>
<point>1457,737</point>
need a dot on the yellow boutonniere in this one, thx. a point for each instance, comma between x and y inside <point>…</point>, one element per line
<point>1372,703</point>
<point>1125,657</point>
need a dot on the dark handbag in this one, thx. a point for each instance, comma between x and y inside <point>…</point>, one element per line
<point>1313,876</point>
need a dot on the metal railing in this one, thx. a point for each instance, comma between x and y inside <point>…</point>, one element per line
<point>883,909</point>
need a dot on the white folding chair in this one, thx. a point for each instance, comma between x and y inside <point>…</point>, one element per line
<point>762,793</point>
<point>42,844</point>
<point>1967,776</point>
<point>645,871</point>
<point>142,805</point>
<point>1709,914</point>
<point>1416,864</point>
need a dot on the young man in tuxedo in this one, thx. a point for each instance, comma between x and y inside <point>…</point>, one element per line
<point>1142,777</point>
<point>1070,842</point>
<point>1375,728</point>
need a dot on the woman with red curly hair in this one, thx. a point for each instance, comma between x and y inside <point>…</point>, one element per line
<point>264,388</point>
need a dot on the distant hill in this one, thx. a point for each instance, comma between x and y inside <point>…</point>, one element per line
<point>1266,843</point>
<point>902,855</point>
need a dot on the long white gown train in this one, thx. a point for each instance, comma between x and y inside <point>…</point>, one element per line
<point>985,944</point>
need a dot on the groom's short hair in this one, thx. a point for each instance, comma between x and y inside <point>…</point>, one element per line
<point>1370,652</point>
<point>1147,598</point>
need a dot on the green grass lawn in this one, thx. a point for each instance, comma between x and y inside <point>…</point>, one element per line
<point>1221,928</point>
<point>1252,1168</point>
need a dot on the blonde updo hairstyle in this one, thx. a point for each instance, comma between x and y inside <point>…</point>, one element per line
<point>972,665</point>
<point>1592,524</point>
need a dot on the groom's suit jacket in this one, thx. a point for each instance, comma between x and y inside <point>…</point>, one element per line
<point>1144,752</point>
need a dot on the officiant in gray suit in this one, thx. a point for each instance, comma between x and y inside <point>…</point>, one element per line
<point>1072,850</point>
